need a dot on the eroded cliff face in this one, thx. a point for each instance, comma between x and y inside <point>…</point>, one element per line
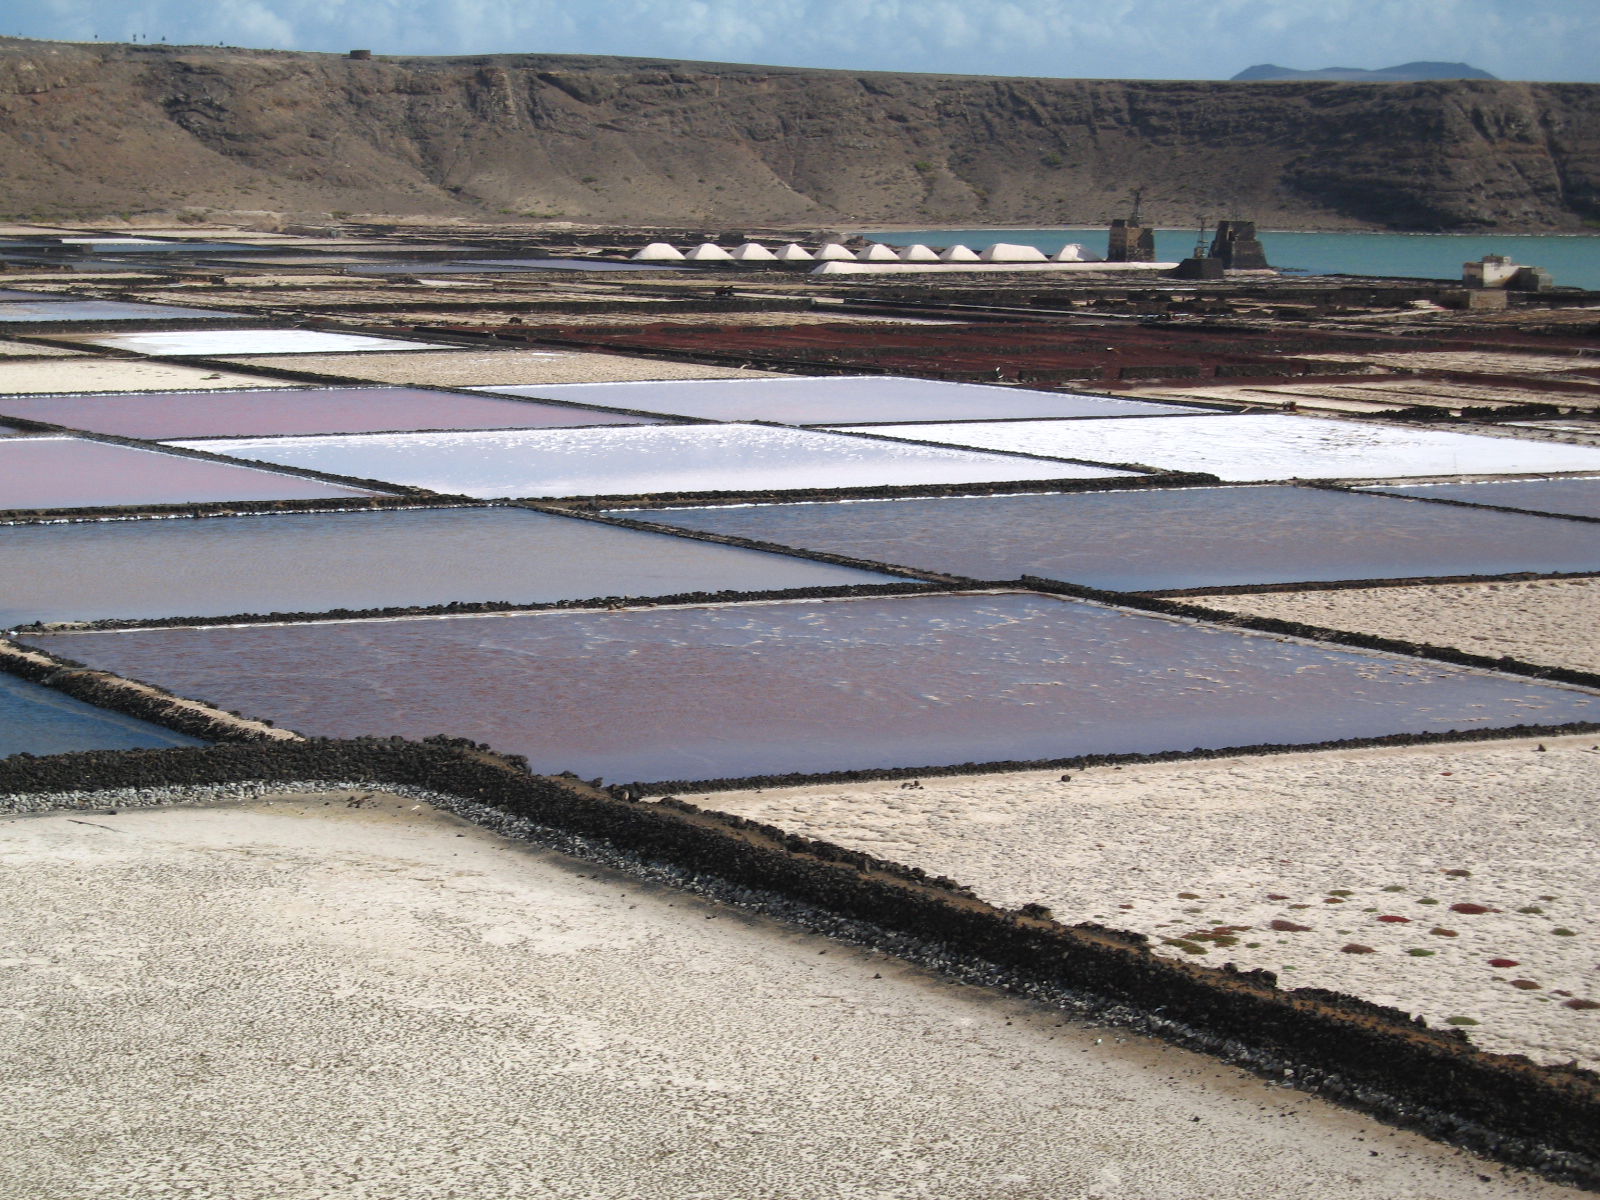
<point>93,130</point>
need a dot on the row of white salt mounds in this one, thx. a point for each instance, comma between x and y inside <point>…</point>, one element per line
<point>749,252</point>
<point>999,252</point>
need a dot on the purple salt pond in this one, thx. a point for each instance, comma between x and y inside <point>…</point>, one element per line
<point>62,472</point>
<point>267,412</point>
<point>726,691</point>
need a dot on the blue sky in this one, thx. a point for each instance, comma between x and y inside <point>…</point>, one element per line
<point>1148,39</point>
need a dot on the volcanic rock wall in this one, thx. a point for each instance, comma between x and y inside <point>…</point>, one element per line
<point>102,129</point>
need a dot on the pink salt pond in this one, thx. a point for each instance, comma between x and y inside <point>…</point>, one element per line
<point>61,472</point>
<point>265,412</point>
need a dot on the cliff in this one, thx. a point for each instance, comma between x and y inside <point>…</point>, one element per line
<point>91,130</point>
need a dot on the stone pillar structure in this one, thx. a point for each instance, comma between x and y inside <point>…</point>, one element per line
<point>1238,247</point>
<point>1131,242</point>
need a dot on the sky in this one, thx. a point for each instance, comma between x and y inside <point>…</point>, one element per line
<point>1136,39</point>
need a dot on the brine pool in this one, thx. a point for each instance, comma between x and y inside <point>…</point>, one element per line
<point>1156,539</point>
<point>291,411</point>
<point>314,562</point>
<point>65,472</point>
<point>40,720</point>
<point>705,692</point>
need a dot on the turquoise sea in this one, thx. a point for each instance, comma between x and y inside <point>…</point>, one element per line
<point>1573,260</point>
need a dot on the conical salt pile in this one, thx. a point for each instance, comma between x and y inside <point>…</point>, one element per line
<point>708,252</point>
<point>754,252</point>
<point>659,252</point>
<point>1004,252</point>
<point>917,252</point>
<point>958,254</point>
<point>794,253</point>
<point>833,252</point>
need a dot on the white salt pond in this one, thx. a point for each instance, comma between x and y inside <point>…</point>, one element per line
<point>838,399</point>
<point>65,309</point>
<point>640,460</point>
<point>207,343</point>
<point>1250,447</point>
<point>296,998</point>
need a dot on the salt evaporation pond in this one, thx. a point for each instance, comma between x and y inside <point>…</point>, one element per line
<point>40,310</point>
<point>40,720</point>
<point>837,399</point>
<point>313,562</point>
<point>212,342</point>
<point>1269,446</point>
<point>246,413</point>
<point>1563,497</point>
<point>1149,540</point>
<point>63,472</point>
<point>641,461</point>
<point>810,686</point>
<point>501,266</point>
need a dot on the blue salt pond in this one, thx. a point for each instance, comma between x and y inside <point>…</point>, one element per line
<point>1566,497</point>
<point>812,686</point>
<point>1150,540</point>
<point>40,720</point>
<point>313,562</point>
<point>642,461</point>
<point>838,400</point>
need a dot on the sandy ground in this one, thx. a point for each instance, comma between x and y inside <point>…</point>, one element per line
<point>469,368</point>
<point>1332,842</point>
<point>301,1000</point>
<point>117,375</point>
<point>1550,621</point>
<point>10,349</point>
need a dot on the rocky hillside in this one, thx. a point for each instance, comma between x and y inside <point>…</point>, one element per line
<point>92,130</point>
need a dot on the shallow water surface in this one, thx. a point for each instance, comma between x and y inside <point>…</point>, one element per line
<point>810,686</point>
<point>1567,497</point>
<point>64,472</point>
<point>1249,447</point>
<point>1149,540</point>
<point>41,720</point>
<point>250,413</point>
<point>838,399</point>
<point>313,562</point>
<point>641,461</point>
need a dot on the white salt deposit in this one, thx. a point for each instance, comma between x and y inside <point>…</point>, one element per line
<point>878,252</point>
<point>917,252</point>
<point>794,253</point>
<point>1010,252</point>
<point>754,252</point>
<point>833,252</point>
<point>708,252</point>
<point>659,252</point>
<point>211,342</point>
<point>959,254</point>
<point>1266,447</point>
<point>638,460</point>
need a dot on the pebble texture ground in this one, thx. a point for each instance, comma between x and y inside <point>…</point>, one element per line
<point>1546,621</point>
<point>1455,883</point>
<point>302,999</point>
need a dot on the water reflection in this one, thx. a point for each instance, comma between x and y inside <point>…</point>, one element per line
<point>40,720</point>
